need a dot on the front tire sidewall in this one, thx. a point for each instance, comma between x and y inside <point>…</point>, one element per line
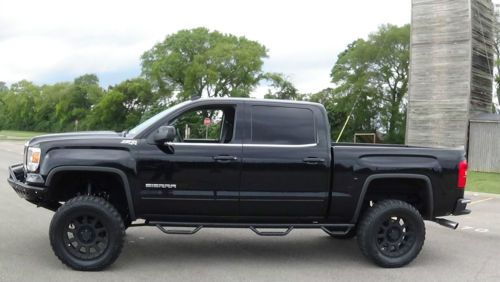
<point>114,230</point>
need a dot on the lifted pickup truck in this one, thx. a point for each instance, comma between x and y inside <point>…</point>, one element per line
<point>237,163</point>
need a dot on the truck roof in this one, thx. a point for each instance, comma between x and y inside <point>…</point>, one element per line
<point>270,101</point>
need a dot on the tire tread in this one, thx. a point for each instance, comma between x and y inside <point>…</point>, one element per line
<point>109,209</point>
<point>370,216</point>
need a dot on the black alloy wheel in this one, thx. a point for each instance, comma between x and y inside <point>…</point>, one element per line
<point>391,233</point>
<point>395,236</point>
<point>87,233</point>
<point>85,237</point>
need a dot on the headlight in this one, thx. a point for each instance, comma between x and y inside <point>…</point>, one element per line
<point>33,159</point>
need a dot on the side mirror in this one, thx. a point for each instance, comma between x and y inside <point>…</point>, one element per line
<point>164,134</point>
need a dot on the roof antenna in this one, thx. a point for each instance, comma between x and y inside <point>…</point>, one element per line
<point>195,97</point>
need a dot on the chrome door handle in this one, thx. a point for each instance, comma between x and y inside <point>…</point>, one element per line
<point>225,159</point>
<point>312,160</point>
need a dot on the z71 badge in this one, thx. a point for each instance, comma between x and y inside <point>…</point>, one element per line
<point>160,186</point>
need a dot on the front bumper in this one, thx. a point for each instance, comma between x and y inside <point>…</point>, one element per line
<point>31,193</point>
<point>461,207</point>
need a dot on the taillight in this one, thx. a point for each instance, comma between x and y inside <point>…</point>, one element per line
<point>462,174</point>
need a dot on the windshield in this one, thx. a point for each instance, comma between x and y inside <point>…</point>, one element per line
<point>136,130</point>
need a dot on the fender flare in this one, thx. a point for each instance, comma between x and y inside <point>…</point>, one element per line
<point>120,173</point>
<point>369,179</point>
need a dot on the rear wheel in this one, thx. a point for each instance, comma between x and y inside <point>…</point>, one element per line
<point>86,233</point>
<point>391,233</point>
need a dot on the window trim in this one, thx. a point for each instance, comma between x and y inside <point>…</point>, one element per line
<point>246,145</point>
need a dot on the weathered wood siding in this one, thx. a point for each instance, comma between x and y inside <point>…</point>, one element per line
<point>483,19</point>
<point>484,146</point>
<point>449,77</point>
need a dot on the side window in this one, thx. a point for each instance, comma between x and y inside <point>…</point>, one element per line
<point>208,125</point>
<point>282,125</point>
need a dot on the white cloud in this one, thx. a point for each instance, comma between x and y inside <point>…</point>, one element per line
<point>41,39</point>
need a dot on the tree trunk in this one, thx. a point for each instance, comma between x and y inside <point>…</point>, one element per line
<point>394,112</point>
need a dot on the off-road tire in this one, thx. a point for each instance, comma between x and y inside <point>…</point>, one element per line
<point>90,220</point>
<point>377,240</point>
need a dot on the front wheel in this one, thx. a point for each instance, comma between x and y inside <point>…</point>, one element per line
<point>87,233</point>
<point>391,233</point>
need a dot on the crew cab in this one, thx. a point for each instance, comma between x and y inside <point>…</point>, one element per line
<point>266,165</point>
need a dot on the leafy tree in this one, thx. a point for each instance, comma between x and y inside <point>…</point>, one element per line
<point>200,62</point>
<point>372,77</point>
<point>140,100</point>
<point>336,114</point>
<point>44,113</point>
<point>76,103</point>
<point>110,113</point>
<point>87,87</point>
<point>282,88</point>
<point>18,104</point>
<point>3,90</point>
<point>124,105</point>
<point>3,87</point>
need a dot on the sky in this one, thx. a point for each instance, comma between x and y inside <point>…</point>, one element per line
<point>53,41</point>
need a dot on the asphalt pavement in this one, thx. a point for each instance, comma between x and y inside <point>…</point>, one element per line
<point>470,253</point>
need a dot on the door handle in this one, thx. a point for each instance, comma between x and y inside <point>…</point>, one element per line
<point>225,159</point>
<point>312,160</point>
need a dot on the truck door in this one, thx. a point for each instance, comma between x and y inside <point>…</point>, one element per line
<point>200,174</point>
<point>286,166</point>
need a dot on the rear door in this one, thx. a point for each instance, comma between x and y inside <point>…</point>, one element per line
<point>286,168</point>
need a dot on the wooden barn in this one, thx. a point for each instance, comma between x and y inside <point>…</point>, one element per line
<point>451,70</point>
<point>484,143</point>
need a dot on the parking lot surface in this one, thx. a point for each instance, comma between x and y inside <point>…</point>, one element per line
<point>471,253</point>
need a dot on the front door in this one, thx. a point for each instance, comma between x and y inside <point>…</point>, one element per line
<point>199,173</point>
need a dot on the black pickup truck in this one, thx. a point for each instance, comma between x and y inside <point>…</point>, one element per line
<point>237,163</point>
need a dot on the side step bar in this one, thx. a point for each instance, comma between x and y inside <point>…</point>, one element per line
<point>257,228</point>
<point>271,233</point>
<point>179,232</point>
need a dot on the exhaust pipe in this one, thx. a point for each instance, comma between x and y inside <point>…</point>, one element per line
<point>446,223</point>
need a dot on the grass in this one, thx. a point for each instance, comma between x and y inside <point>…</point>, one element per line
<point>17,135</point>
<point>483,182</point>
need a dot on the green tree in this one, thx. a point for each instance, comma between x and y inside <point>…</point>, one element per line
<point>140,100</point>
<point>281,87</point>
<point>200,62</point>
<point>124,105</point>
<point>49,97</point>
<point>336,114</point>
<point>3,91</point>
<point>372,76</point>
<point>110,113</point>
<point>74,105</point>
<point>3,87</point>
<point>18,104</point>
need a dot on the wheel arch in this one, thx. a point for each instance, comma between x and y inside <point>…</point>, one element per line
<point>119,173</point>
<point>388,176</point>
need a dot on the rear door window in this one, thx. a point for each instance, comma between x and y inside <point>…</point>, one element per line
<point>282,125</point>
